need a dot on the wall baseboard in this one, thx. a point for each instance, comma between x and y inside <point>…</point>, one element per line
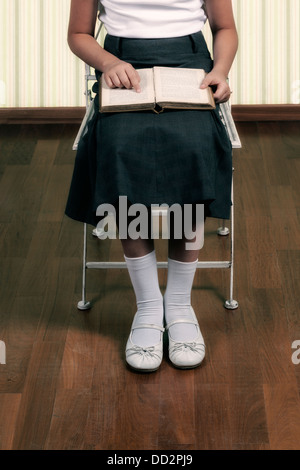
<point>63,115</point>
<point>74,115</point>
<point>266,112</point>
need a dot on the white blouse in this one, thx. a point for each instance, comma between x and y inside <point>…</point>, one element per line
<point>152,18</point>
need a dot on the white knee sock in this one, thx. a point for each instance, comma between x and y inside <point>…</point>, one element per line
<point>144,278</point>
<point>177,299</point>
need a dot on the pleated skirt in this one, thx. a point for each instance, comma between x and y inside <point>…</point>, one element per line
<point>175,157</point>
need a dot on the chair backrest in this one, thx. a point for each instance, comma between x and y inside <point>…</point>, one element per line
<point>227,119</point>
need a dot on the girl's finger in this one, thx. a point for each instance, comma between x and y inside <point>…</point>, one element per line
<point>205,83</point>
<point>221,92</point>
<point>108,81</point>
<point>115,80</point>
<point>124,80</point>
<point>134,79</point>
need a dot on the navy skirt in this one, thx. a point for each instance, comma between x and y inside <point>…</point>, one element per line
<point>177,156</point>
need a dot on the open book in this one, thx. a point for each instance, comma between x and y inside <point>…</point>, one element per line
<point>161,87</point>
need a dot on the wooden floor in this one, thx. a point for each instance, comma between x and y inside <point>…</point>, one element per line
<point>65,384</point>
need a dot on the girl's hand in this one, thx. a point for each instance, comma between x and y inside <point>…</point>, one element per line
<point>119,74</point>
<point>219,84</point>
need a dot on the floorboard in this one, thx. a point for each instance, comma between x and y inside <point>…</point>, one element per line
<point>65,385</point>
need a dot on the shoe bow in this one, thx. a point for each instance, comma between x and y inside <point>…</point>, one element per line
<point>194,347</point>
<point>142,351</point>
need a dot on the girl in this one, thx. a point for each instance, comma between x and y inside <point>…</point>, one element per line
<point>178,156</point>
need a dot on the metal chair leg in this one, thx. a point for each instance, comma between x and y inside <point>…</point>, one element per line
<point>83,304</point>
<point>223,230</point>
<point>231,304</point>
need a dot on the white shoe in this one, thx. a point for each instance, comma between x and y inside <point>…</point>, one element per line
<point>144,359</point>
<point>186,355</point>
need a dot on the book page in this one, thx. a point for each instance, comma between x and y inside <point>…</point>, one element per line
<point>179,85</point>
<point>123,96</point>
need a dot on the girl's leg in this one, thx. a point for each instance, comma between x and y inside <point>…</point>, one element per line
<point>140,258</point>
<point>137,248</point>
<point>186,344</point>
<point>177,298</point>
<point>182,266</point>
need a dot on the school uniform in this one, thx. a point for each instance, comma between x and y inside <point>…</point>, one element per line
<point>177,156</point>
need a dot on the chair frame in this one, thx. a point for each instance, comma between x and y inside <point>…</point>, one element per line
<point>223,230</point>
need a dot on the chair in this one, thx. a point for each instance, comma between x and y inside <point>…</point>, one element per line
<point>223,230</point>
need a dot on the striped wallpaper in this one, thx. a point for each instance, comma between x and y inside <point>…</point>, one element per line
<point>38,69</point>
